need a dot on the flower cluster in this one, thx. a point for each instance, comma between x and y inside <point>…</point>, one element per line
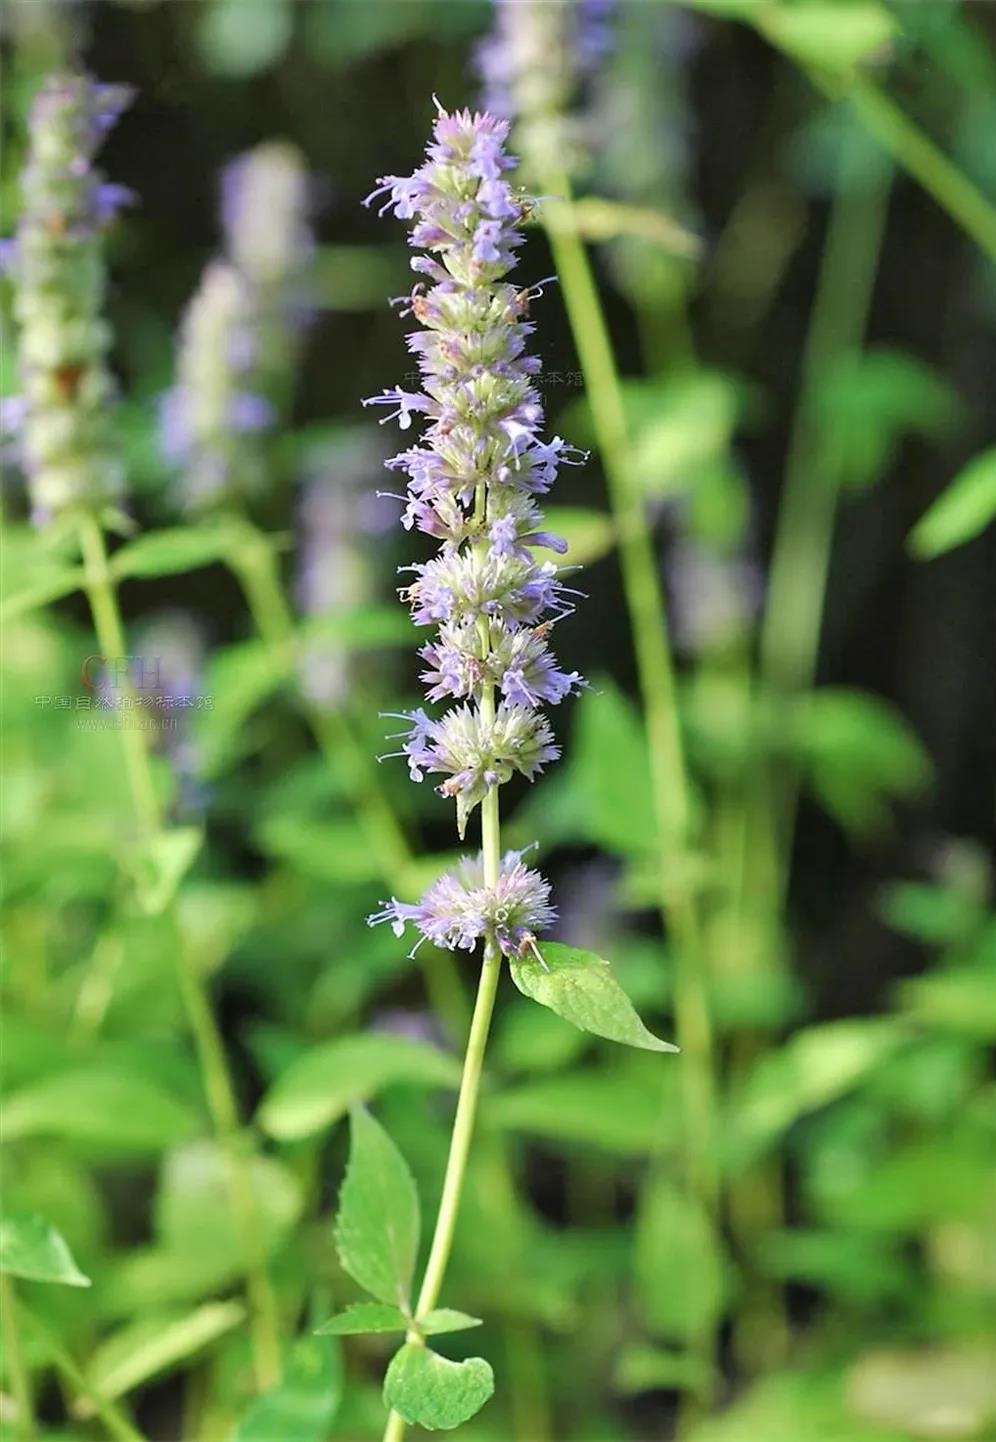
<point>67,390</point>
<point>238,336</point>
<point>532,64</point>
<point>472,485</point>
<point>458,910</point>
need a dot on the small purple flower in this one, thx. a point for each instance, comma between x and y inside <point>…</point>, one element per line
<point>458,910</point>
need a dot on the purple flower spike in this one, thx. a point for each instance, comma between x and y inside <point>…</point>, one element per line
<point>472,484</point>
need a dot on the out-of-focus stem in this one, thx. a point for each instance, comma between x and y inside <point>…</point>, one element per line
<point>117,1424</point>
<point>218,1087</point>
<point>800,558</point>
<point>463,1124</point>
<point>789,645</point>
<point>917,154</point>
<point>18,1376</point>
<point>648,624</point>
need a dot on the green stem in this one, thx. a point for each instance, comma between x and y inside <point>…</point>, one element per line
<point>18,1376</point>
<point>800,558</point>
<point>218,1088</point>
<point>470,1081</point>
<point>917,154</point>
<point>111,639</point>
<point>648,624</point>
<point>117,1424</point>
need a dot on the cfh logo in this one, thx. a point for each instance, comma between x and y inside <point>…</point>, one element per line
<point>116,672</point>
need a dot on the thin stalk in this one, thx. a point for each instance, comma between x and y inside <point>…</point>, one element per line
<point>117,1424</point>
<point>788,650</point>
<point>470,1081</point>
<point>800,558</point>
<point>18,1376</point>
<point>917,154</point>
<point>648,624</point>
<point>257,571</point>
<point>218,1087</point>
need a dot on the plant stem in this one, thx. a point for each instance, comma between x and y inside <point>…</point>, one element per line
<point>648,624</point>
<point>111,639</point>
<point>800,558</point>
<point>470,1081</point>
<point>924,161</point>
<point>113,1418</point>
<point>14,1364</point>
<point>218,1087</point>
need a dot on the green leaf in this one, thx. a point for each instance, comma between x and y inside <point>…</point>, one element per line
<point>193,1209</point>
<point>121,1110</point>
<point>321,1086</point>
<point>445,1319</point>
<point>961,512</point>
<point>828,34</point>
<point>238,680</point>
<point>868,401</point>
<point>621,1113</point>
<point>174,551</point>
<point>589,534</point>
<point>378,1222</point>
<point>154,1345</point>
<point>51,585</point>
<point>858,753</point>
<point>30,1247</point>
<point>610,768</point>
<point>580,987</point>
<point>432,1392</point>
<point>811,1069</point>
<point>678,1265</point>
<point>303,1404</point>
<point>362,1317</point>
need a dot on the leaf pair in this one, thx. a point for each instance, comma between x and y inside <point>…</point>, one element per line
<point>377,1234</point>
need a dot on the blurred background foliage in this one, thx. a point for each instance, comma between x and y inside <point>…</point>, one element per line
<point>805,340</point>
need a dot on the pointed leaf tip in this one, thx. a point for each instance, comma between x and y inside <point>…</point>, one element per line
<point>377,1227</point>
<point>580,987</point>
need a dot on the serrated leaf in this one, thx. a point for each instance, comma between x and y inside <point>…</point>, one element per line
<point>154,1345</point>
<point>30,1247</point>
<point>961,512</point>
<point>115,1108</point>
<point>378,1222</point>
<point>301,1407</point>
<point>432,1392</point>
<point>321,1086</point>
<point>363,1317</point>
<point>580,987</point>
<point>445,1319</point>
